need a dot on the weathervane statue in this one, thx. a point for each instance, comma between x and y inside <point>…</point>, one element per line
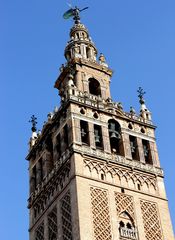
<point>75,13</point>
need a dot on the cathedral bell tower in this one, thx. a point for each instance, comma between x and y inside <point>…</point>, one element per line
<point>94,168</point>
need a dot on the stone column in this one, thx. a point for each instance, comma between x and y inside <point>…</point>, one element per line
<point>32,181</point>
<point>105,136</point>
<point>91,135</point>
<point>78,80</point>
<point>39,171</point>
<point>69,131</point>
<point>103,92</point>
<point>77,133</point>
<point>46,232</point>
<point>154,154</point>
<point>47,163</point>
<point>140,150</point>
<point>62,143</point>
<point>85,83</point>
<point>57,148</point>
<point>127,147</point>
<point>59,220</point>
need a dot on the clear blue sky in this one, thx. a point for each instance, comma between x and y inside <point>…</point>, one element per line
<point>138,40</point>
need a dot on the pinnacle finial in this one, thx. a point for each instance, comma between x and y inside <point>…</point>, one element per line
<point>141,93</point>
<point>75,13</point>
<point>34,122</point>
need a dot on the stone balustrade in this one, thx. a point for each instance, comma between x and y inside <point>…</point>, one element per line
<point>128,233</point>
<point>117,159</point>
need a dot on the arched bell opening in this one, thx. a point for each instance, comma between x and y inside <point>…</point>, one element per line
<point>116,141</point>
<point>84,132</point>
<point>94,87</point>
<point>147,152</point>
<point>134,148</point>
<point>98,136</point>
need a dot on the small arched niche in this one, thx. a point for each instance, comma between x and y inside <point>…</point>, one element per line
<point>94,87</point>
<point>116,141</point>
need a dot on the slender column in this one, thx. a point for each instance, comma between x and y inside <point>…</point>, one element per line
<point>103,93</point>
<point>77,134</point>
<point>62,143</point>
<point>69,132</point>
<point>106,143</point>
<point>46,232</point>
<point>127,147</point>
<point>47,163</point>
<point>91,135</point>
<point>154,154</point>
<point>85,83</point>
<point>38,172</point>
<point>78,79</point>
<point>140,150</point>
<point>32,181</point>
<point>59,221</point>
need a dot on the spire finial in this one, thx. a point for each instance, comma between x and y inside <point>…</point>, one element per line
<point>141,93</point>
<point>75,13</point>
<point>34,122</point>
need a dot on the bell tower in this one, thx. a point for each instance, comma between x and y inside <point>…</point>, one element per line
<point>94,168</point>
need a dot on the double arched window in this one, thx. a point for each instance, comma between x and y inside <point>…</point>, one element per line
<point>126,226</point>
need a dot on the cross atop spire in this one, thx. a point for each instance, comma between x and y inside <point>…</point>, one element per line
<point>144,112</point>
<point>34,122</point>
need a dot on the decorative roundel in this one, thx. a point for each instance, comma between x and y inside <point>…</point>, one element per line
<point>82,111</point>
<point>95,115</point>
<point>142,130</point>
<point>130,126</point>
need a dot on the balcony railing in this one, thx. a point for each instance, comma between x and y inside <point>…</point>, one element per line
<point>128,233</point>
<point>92,100</point>
<point>118,159</point>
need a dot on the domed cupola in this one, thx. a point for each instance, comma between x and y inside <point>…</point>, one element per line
<point>80,44</point>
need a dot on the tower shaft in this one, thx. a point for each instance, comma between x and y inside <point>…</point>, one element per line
<point>94,168</point>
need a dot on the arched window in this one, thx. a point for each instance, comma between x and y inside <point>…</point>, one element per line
<point>115,136</point>
<point>126,226</point>
<point>94,87</point>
